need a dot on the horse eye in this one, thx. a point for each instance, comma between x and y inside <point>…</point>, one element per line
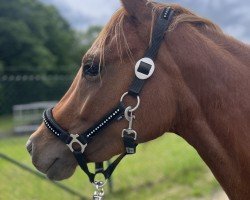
<point>91,69</point>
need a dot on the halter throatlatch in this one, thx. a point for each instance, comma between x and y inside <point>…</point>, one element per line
<point>144,69</point>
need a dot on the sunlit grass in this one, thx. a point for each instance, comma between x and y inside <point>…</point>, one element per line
<point>167,168</point>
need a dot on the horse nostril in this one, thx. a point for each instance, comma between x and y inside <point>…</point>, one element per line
<point>29,146</point>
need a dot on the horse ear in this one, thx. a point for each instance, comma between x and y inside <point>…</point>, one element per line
<point>140,9</point>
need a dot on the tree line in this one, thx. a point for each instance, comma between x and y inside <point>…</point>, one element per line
<point>36,40</point>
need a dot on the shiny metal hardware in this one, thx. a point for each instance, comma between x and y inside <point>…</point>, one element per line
<point>137,104</point>
<point>75,140</point>
<point>129,132</point>
<point>128,113</point>
<point>99,191</point>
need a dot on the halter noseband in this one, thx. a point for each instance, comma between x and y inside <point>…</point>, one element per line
<point>143,70</point>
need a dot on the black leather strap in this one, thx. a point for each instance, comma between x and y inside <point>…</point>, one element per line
<point>136,87</point>
<point>82,162</point>
<point>99,167</point>
<point>87,136</point>
<point>116,113</point>
<point>129,143</point>
<point>109,171</point>
<point>162,24</point>
<point>51,124</point>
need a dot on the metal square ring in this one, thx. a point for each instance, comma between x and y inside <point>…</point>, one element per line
<point>75,140</point>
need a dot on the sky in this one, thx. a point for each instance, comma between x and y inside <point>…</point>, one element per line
<point>86,12</point>
<point>232,15</point>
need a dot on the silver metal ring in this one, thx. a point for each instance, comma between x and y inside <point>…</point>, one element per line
<point>132,108</point>
<point>99,184</point>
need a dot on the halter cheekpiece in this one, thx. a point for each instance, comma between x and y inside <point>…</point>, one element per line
<point>144,69</point>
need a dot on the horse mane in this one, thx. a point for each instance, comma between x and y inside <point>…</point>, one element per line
<point>115,28</point>
<point>184,15</point>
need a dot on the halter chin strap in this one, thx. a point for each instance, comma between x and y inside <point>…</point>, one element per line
<point>143,70</point>
<point>84,139</point>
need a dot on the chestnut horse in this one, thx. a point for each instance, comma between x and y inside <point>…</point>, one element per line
<point>200,90</point>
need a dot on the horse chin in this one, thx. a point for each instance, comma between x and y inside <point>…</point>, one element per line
<point>59,170</point>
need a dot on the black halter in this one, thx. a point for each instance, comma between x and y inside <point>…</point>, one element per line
<point>143,70</point>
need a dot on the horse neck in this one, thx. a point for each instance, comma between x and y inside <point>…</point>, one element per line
<point>213,112</point>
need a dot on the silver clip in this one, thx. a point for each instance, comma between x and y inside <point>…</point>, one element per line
<point>128,113</point>
<point>99,191</point>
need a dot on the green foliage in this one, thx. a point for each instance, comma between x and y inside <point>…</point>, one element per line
<point>33,35</point>
<point>36,40</point>
<point>20,49</point>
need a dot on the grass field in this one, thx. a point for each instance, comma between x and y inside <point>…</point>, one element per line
<point>6,125</point>
<point>166,168</point>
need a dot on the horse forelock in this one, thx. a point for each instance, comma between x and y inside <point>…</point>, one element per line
<point>115,29</point>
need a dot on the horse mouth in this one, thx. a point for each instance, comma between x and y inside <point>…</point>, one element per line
<point>59,170</point>
<point>51,165</point>
<point>53,172</point>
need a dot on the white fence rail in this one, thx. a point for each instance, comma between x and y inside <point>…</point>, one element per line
<point>27,117</point>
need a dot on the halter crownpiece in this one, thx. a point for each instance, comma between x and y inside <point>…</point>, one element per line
<point>144,69</point>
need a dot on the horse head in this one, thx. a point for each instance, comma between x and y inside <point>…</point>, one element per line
<point>106,73</point>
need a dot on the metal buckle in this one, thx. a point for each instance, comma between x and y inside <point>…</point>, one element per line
<point>130,146</point>
<point>75,140</point>
<point>130,150</point>
<point>130,132</point>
